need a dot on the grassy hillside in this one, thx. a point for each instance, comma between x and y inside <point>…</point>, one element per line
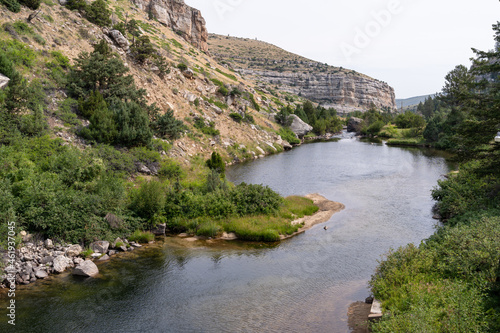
<point>249,53</point>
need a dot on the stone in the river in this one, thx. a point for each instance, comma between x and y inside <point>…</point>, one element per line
<point>41,274</point>
<point>86,268</point>
<point>104,258</point>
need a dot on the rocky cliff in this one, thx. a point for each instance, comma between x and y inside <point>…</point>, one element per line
<point>342,91</point>
<point>345,90</point>
<point>175,14</point>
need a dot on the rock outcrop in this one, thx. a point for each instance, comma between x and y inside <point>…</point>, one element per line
<point>185,20</point>
<point>299,127</point>
<point>342,91</point>
<point>354,124</point>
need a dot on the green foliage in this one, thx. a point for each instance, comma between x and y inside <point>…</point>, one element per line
<point>223,91</point>
<point>143,49</point>
<point>98,13</point>
<point>133,124</point>
<point>283,117</point>
<point>409,120</point>
<point>252,199</point>
<point>79,5</point>
<point>12,5</point>
<point>216,163</point>
<point>171,170</point>
<point>141,237</point>
<point>22,28</point>
<point>182,66</point>
<point>31,4</point>
<point>208,130</point>
<point>148,200</point>
<point>236,117</point>
<point>287,135</point>
<point>167,126</point>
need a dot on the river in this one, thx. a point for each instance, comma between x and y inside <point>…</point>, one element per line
<point>304,284</point>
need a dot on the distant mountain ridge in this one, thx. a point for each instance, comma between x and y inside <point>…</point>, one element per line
<point>413,100</point>
<point>277,69</point>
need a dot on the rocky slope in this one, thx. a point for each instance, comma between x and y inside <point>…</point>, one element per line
<point>343,89</point>
<point>175,14</point>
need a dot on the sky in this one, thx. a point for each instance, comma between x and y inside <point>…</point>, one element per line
<point>410,44</point>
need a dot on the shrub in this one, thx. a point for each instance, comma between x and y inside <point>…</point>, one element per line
<point>236,117</point>
<point>255,199</point>
<point>143,49</point>
<point>182,66</point>
<point>99,13</point>
<point>148,200</point>
<point>31,4</point>
<point>167,126</point>
<point>12,5</point>
<point>216,163</point>
<point>223,91</point>
<point>287,135</point>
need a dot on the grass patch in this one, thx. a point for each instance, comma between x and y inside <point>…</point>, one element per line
<point>417,142</point>
<point>229,76</point>
<point>141,236</point>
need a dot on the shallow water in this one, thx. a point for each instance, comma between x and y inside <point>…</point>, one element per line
<point>304,284</point>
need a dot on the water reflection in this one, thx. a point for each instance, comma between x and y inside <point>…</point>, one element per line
<point>303,284</point>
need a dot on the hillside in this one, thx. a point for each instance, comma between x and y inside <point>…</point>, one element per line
<point>412,101</point>
<point>192,94</point>
<point>344,89</point>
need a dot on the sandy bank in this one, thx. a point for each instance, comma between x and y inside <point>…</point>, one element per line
<point>326,210</point>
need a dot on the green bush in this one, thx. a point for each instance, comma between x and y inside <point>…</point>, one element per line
<point>223,91</point>
<point>216,163</point>
<point>236,117</point>
<point>98,13</point>
<point>287,135</point>
<point>148,200</point>
<point>182,66</point>
<point>12,5</point>
<point>255,199</point>
<point>167,126</point>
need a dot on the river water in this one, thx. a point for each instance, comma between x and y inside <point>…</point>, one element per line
<point>304,284</point>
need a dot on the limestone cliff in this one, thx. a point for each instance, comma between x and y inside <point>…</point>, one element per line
<point>345,90</point>
<point>182,18</point>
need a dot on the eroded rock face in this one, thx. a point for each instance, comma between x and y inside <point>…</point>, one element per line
<point>344,92</point>
<point>180,17</point>
<point>299,127</point>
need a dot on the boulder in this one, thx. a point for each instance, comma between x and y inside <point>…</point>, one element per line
<point>117,240</point>
<point>4,81</point>
<point>354,124</point>
<point>299,127</point>
<point>47,260</point>
<point>119,39</point>
<point>100,246</point>
<point>61,263</point>
<point>74,250</point>
<point>188,73</point>
<point>86,268</point>
<point>48,244</point>
<point>41,274</point>
<point>160,229</point>
<point>103,258</point>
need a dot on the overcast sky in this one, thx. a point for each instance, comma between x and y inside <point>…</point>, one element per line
<point>410,44</point>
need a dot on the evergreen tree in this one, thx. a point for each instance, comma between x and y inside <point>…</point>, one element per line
<point>99,13</point>
<point>216,163</point>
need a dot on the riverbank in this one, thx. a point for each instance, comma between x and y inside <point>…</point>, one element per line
<point>326,210</point>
